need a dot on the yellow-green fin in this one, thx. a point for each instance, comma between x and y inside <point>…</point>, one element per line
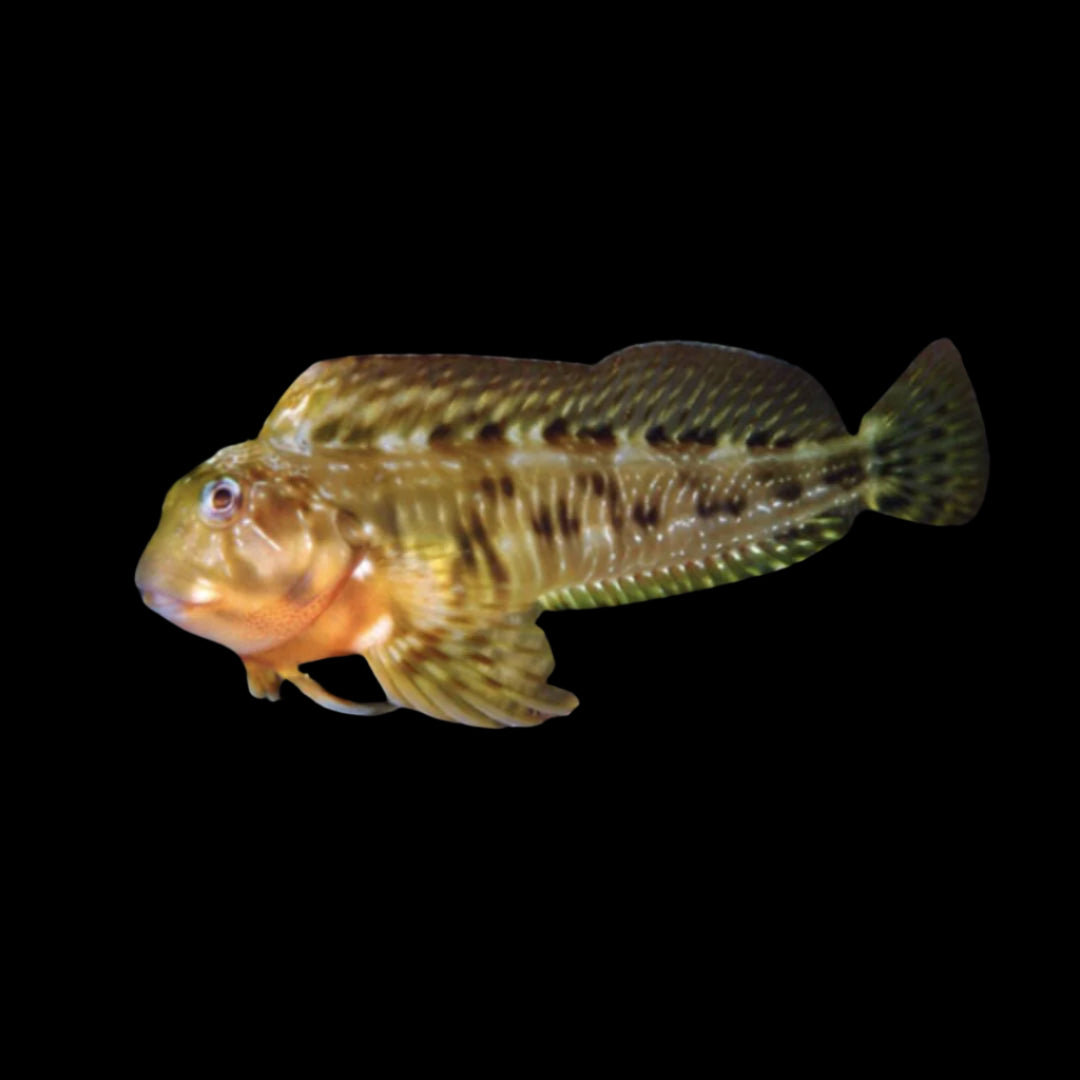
<point>790,543</point>
<point>929,460</point>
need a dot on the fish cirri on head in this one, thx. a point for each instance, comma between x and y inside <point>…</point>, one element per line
<point>421,511</point>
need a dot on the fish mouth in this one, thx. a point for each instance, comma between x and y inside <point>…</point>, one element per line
<point>169,605</point>
<point>171,594</point>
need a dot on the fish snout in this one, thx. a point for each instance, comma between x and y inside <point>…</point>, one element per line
<point>167,592</point>
<point>163,603</point>
<point>144,576</point>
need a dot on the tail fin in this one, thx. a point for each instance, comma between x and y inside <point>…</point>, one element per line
<point>929,460</point>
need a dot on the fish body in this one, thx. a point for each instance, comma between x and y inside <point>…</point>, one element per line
<point>422,510</point>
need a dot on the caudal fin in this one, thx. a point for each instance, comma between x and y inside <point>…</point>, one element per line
<point>929,460</point>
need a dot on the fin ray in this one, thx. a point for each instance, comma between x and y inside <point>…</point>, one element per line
<point>666,393</point>
<point>929,459</point>
<point>789,544</point>
<point>486,674</point>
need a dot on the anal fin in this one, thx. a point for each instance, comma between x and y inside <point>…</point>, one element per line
<point>786,544</point>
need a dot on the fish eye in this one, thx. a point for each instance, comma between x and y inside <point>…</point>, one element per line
<point>220,499</point>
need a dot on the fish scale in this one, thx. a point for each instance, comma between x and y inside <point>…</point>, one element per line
<point>421,510</point>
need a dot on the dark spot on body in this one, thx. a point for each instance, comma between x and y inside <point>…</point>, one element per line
<point>789,491</point>
<point>699,436</point>
<point>490,433</point>
<point>846,475</point>
<point>555,430</point>
<point>598,483</point>
<point>477,528</point>
<point>568,524</point>
<point>542,523</point>
<point>706,508</point>
<point>468,556</point>
<point>480,535</point>
<point>440,433</point>
<point>507,486</point>
<point>758,438</point>
<point>936,433</point>
<point>656,435</point>
<point>326,432</point>
<point>734,506</point>
<point>603,434</point>
<point>784,442</point>
<point>787,534</point>
<point>489,486</point>
<point>646,518</point>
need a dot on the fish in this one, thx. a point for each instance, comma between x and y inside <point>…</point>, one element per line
<point>421,511</point>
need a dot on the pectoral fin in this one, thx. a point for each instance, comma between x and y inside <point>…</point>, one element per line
<point>487,674</point>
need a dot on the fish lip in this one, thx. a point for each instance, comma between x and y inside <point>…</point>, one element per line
<point>167,595</point>
<point>166,604</point>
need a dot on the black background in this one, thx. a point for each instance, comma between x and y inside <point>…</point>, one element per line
<point>819,769</point>
<point>819,810</point>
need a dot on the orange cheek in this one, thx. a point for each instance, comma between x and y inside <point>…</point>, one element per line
<point>284,619</point>
<point>360,609</point>
<point>252,631</point>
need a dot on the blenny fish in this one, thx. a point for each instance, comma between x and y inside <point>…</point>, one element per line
<point>421,511</point>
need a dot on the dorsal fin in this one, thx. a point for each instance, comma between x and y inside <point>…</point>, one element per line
<point>666,393</point>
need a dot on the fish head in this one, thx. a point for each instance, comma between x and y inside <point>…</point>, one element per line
<point>247,552</point>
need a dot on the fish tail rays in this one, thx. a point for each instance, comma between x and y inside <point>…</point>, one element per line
<point>929,460</point>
